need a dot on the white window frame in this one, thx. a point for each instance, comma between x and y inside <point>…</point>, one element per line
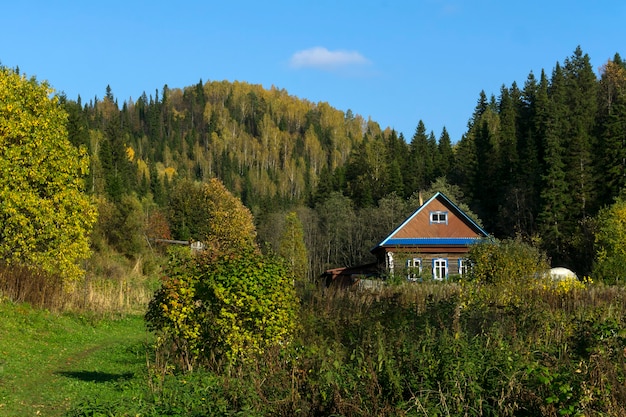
<point>440,265</point>
<point>411,265</point>
<point>463,266</point>
<point>390,262</point>
<point>439,217</point>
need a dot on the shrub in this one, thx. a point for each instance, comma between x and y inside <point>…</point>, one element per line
<point>610,262</point>
<point>506,262</point>
<point>229,307</point>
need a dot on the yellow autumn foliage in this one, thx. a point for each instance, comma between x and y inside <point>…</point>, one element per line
<point>610,262</point>
<point>208,212</point>
<point>130,153</point>
<point>231,225</point>
<point>45,217</point>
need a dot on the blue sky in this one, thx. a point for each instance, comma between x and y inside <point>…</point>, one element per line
<point>394,61</point>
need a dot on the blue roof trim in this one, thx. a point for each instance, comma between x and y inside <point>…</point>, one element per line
<point>385,241</point>
<point>444,241</point>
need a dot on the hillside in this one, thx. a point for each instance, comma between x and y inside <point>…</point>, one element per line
<point>537,162</point>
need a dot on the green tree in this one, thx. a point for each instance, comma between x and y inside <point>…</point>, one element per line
<point>208,212</point>
<point>394,183</point>
<point>186,211</point>
<point>485,132</point>
<point>121,225</point>
<point>506,262</point>
<point>250,305</point>
<point>421,166</point>
<point>526,197</point>
<point>466,167</point>
<point>378,221</point>
<point>555,195</point>
<point>222,310</point>
<point>610,240</point>
<point>77,126</point>
<point>446,155</point>
<point>366,172</point>
<point>229,225</point>
<point>581,98</point>
<point>45,216</point>
<point>292,247</point>
<point>507,167</point>
<point>612,120</point>
<point>228,302</point>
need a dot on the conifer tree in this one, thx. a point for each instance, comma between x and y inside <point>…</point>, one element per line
<point>528,145</point>
<point>485,182</point>
<point>612,130</point>
<point>397,151</point>
<point>507,165</point>
<point>432,157</point>
<point>466,165</point>
<point>581,98</point>
<point>554,215</point>
<point>420,166</point>
<point>394,183</point>
<point>445,155</point>
<point>366,172</point>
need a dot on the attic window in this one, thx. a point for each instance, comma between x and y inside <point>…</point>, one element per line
<point>439,217</point>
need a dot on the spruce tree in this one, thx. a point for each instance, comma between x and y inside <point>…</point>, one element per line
<point>581,98</point>
<point>445,155</point>
<point>612,130</point>
<point>554,216</point>
<point>507,164</point>
<point>420,166</point>
<point>528,145</point>
<point>485,133</point>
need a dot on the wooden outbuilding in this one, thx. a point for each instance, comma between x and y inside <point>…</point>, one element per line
<point>349,276</point>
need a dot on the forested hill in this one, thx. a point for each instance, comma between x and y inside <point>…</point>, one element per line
<point>537,161</point>
<point>268,147</point>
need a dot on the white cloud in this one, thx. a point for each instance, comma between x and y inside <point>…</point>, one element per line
<point>322,58</point>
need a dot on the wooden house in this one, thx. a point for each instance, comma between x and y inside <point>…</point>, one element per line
<point>431,242</point>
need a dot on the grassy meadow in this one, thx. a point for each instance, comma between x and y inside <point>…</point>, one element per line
<point>427,349</point>
<point>51,361</point>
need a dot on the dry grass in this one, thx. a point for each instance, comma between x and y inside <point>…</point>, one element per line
<point>23,284</point>
<point>112,284</point>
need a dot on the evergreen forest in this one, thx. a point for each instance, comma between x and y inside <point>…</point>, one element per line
<point>538,161</point>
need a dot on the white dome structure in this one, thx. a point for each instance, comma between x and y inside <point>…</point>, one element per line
<point>560,273</point>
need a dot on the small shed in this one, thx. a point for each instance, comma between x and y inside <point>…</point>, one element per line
<point>348,276</point>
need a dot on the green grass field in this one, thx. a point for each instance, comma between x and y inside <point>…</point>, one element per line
<point>51,362</point>
<point>412,350</point>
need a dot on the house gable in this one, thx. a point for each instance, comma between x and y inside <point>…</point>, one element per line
<point>438,222</point>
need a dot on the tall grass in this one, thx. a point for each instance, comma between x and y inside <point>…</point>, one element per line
<point>23,284</point>
<point>432,349</point>
<point>115,284</point>
<point>112,284</point>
